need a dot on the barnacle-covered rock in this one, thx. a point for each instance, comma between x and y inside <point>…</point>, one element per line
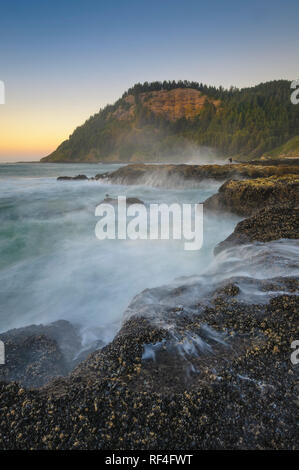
<point>248,196</point>
<point>240,393</point>
<point>265,225</point>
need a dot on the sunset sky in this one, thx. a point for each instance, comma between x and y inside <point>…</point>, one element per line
<point>61,61</point>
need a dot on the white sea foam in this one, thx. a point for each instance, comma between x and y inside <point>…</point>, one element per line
<point>53,267</point>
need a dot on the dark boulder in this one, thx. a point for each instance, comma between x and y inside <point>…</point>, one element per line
<point>129,201</point>
<point>72,178</point>
<point>37,353</point>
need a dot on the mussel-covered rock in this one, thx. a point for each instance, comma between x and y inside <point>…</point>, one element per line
<point>266,225</point>
<point>248,196</point>
<point>37,353</point>
<point>219,378</point>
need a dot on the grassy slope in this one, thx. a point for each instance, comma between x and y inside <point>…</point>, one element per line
<point>288,150</point>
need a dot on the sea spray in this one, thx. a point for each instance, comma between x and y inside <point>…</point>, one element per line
<point>52,265</point>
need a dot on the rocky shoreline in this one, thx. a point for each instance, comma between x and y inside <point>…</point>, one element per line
<point>243,396</point>
<point>196,367</point>
<point>159,175</point>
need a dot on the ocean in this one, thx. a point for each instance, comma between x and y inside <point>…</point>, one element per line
<point>52,266</point>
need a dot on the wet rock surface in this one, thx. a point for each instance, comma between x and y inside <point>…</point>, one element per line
<point>32,361</point>
<point>35,354</point>
<point>72,178</point>
<point>267,224</point>
<point>171,174</point>
<point>216,377</point>
<point>129,201</point>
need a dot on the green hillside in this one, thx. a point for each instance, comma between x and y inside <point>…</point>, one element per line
<point>173,120</point>
<point>288,150</point>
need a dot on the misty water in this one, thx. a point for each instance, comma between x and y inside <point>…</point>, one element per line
<point>53,267</point>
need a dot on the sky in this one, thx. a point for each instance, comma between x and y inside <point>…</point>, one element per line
<point>61,61</point>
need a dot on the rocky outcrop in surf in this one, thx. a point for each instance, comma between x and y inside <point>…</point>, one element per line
<point>172,175</point>
<point>114,201</point>
<point>268,224</point>
<point>36,354</point>
<point>248,196</point>
<point>72,178</point>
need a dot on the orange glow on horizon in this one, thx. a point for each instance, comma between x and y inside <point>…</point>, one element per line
<point>33,132</point>
<point>25,135</point>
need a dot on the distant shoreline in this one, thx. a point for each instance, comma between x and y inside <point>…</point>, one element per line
<point>284,161</point>
<point>75,163</point>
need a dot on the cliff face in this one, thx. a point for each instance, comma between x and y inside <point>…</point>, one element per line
<point>137,128</point>
<point>172,121</point>
<point>171,105</point>
<point>178,103</point>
